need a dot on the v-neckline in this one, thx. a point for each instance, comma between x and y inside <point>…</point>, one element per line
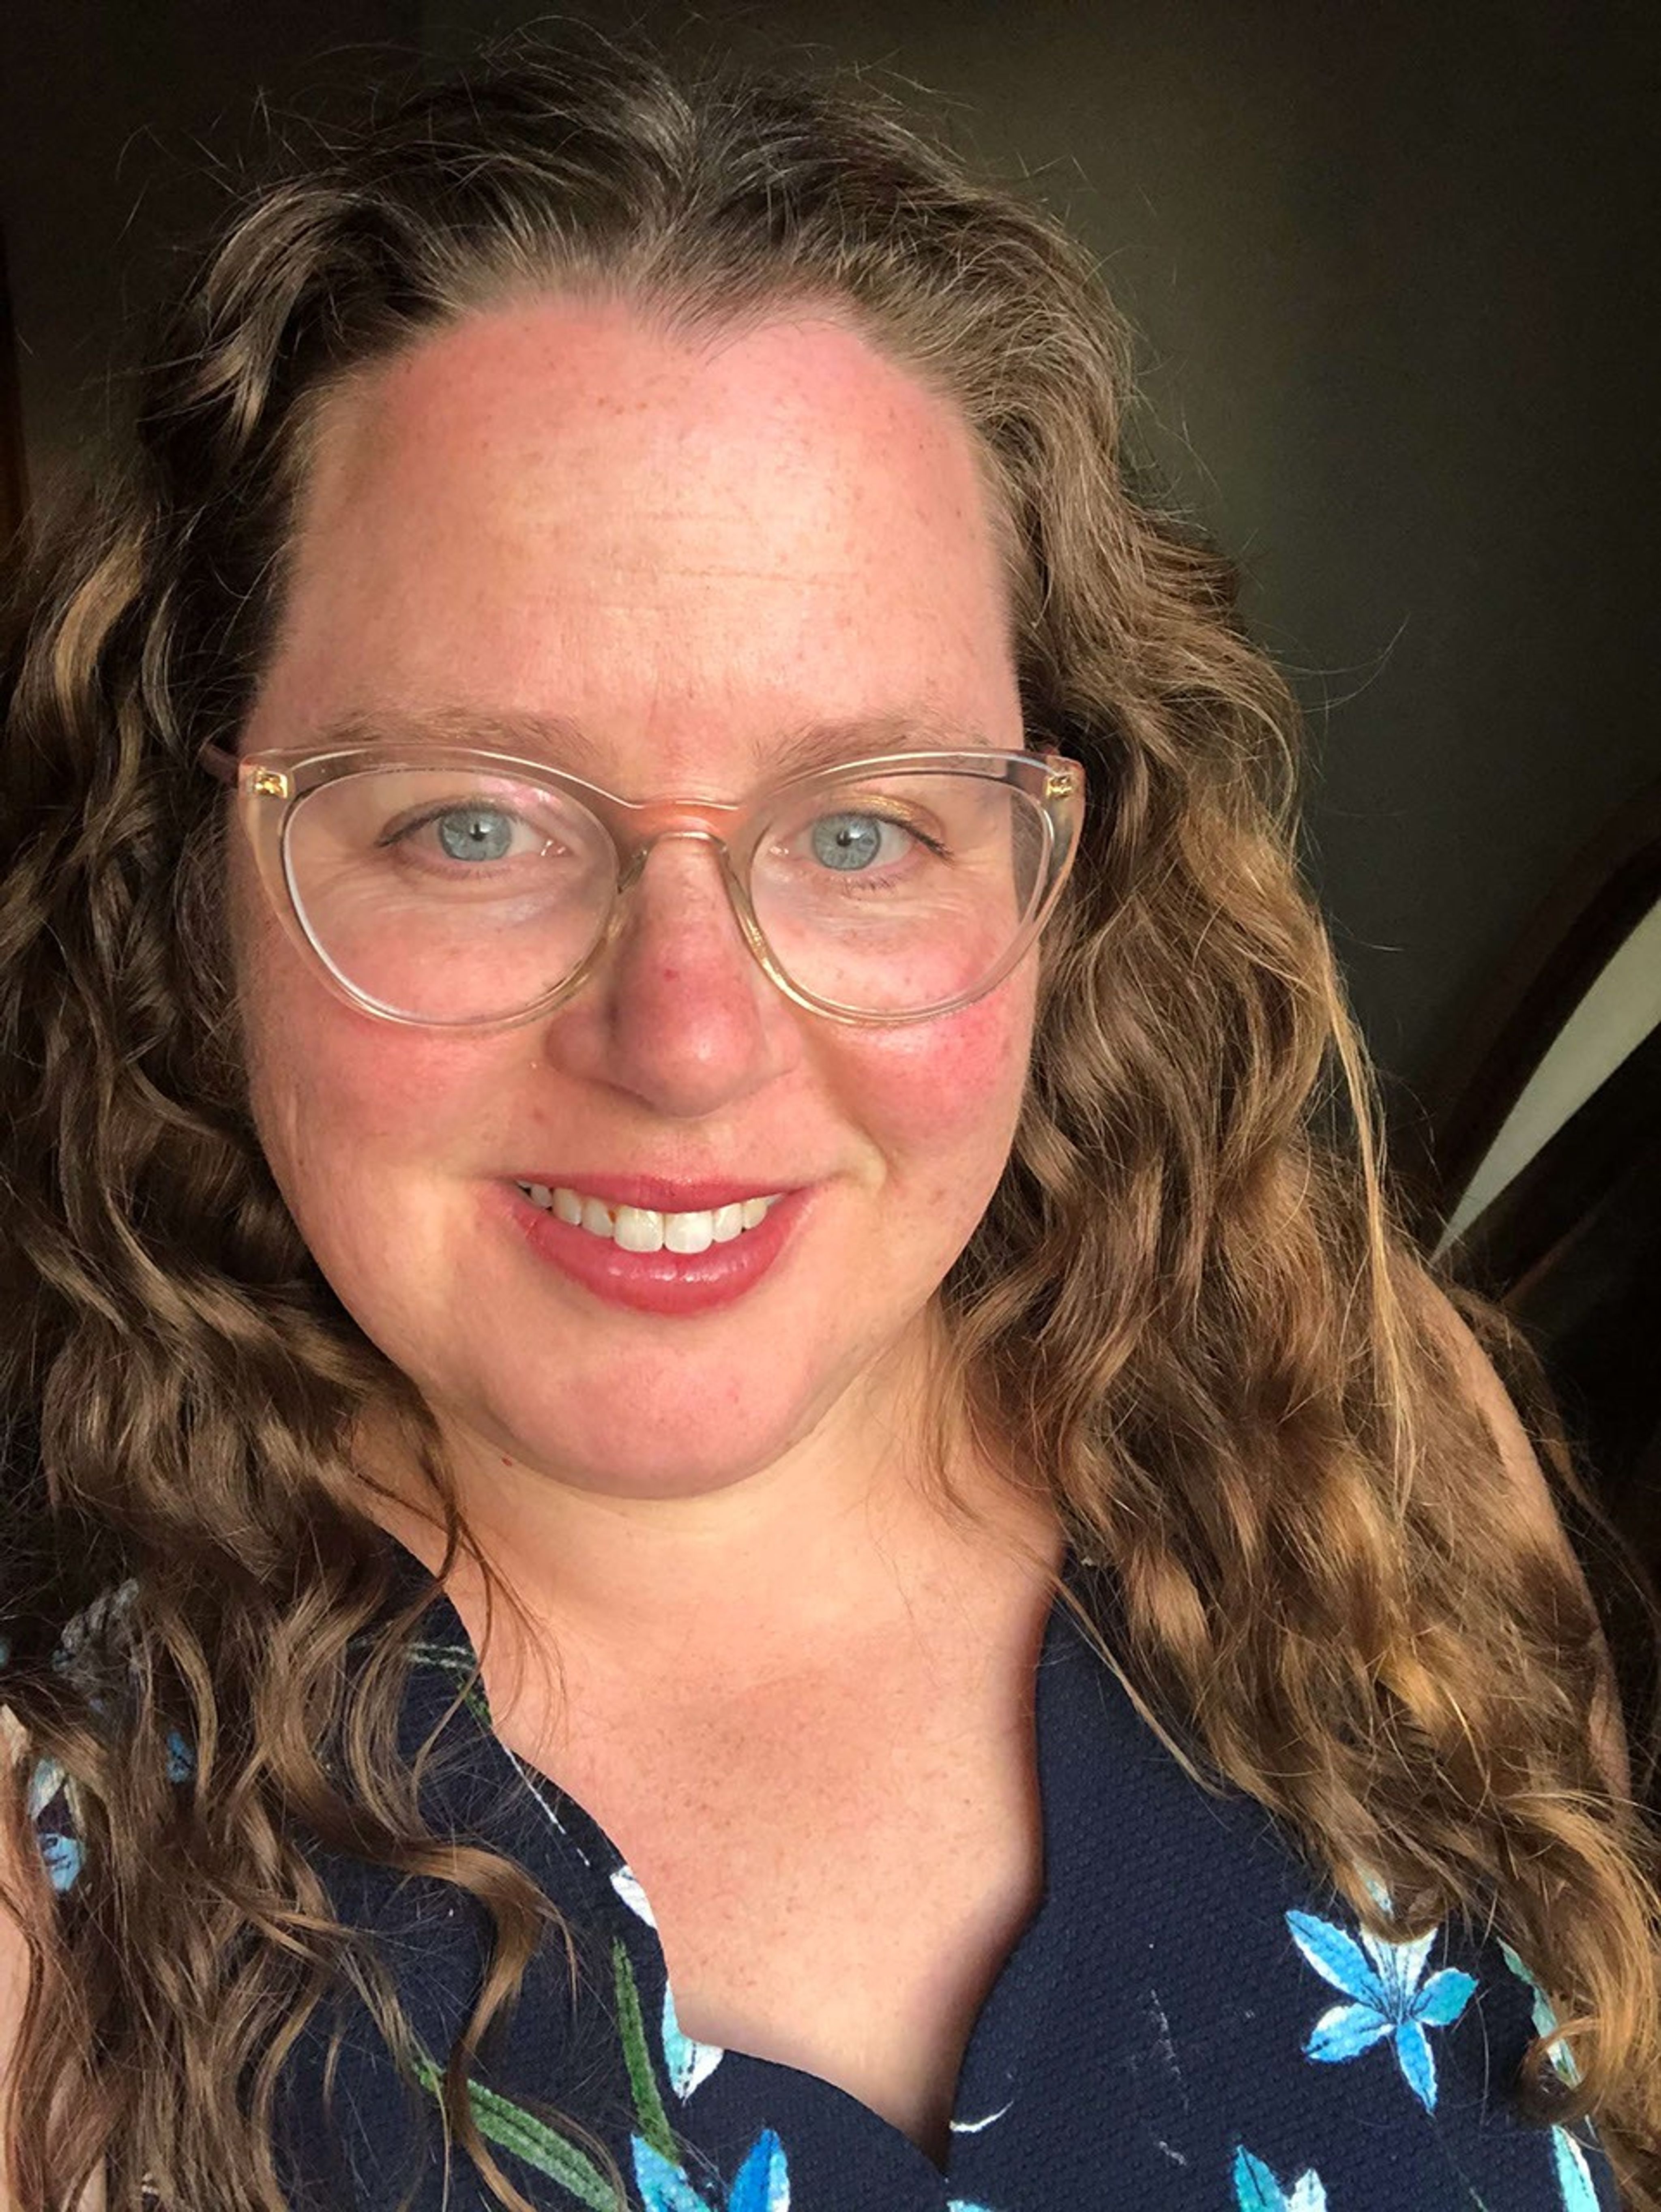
<point>598,1851</point>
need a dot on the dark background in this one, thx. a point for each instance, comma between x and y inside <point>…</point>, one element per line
<point>1392,269</point>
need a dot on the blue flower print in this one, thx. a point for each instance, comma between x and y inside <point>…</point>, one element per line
<point>761,2184</point>
<point>1387,1997</point>
<point>63,1857</point>
<point>1255,2189</point>
<point>60,1848</point>
<point>1574,2179</point>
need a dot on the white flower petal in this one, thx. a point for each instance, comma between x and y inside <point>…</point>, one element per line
<point>627,1886</point>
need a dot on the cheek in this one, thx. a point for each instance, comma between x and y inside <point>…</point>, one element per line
<point>357,1128</point>
<point>345,1105</point>
<point>327,1080</point>
<point>366,1083</point>
<point>943,1096</point>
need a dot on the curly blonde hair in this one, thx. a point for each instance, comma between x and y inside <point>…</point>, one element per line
<point>1191,1303</point>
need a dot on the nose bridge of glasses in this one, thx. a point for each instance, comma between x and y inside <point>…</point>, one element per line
<point>637,825</point>
<point>637,842</point>
<point>734,896</point>
<point>684,831</point>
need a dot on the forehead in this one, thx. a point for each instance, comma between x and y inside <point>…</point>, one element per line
<point>689,550</point>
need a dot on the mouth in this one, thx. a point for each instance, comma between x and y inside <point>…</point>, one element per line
<point>634,1227</point>
<point>667,1261</point>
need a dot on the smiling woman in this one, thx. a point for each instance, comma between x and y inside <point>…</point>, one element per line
<point>727,1491</point>
<point>557,502</point>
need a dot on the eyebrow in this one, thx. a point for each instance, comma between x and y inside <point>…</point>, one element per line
<point>564,743</point>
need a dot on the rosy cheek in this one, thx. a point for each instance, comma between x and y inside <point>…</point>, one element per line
<point>952,1084</point>
<point>326,1076</point>
<point>321,1069</point>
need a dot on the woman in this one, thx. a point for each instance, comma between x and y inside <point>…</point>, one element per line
<point>756,1507</point>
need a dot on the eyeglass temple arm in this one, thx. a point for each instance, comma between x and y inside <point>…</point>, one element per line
<point>264,782</point>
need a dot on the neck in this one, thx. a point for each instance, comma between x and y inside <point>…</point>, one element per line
<point>843,1537</point>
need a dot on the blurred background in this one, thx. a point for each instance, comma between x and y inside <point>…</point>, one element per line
<point>1393,272</point>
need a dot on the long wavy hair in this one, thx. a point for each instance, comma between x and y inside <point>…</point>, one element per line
<point>1192,1305</point>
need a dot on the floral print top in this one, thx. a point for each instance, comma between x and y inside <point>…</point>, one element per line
<point>1189,2022</point>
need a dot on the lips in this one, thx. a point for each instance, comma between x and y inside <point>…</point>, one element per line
<point>664,1283</point>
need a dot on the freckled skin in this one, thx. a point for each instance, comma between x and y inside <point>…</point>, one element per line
<point>690,549</point>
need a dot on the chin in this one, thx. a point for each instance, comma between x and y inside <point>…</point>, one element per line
<point>665,1442</point>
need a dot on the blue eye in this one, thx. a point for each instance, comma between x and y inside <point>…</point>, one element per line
<point>475,833</point>
<point>849,842</point>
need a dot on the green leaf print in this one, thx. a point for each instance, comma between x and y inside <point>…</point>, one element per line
<point>649,2098</point>
<point>511,2128</point>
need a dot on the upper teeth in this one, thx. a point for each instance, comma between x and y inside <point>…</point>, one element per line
<point>644,1227</point>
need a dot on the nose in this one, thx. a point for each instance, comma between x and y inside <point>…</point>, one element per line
<point>678,1013</point>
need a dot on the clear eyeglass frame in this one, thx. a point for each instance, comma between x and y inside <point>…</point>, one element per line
<point>269,785</point>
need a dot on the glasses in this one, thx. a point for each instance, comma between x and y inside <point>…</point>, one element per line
<point>458,889</point>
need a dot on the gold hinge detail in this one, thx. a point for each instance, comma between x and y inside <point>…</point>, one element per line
<point>269,783</point>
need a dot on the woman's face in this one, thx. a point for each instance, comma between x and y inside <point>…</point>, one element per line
<point>685,553</point>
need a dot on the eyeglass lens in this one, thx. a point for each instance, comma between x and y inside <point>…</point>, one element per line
<point>450,895</point>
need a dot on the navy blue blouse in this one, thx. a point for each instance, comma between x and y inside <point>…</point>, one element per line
<point>1191,2019</point>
